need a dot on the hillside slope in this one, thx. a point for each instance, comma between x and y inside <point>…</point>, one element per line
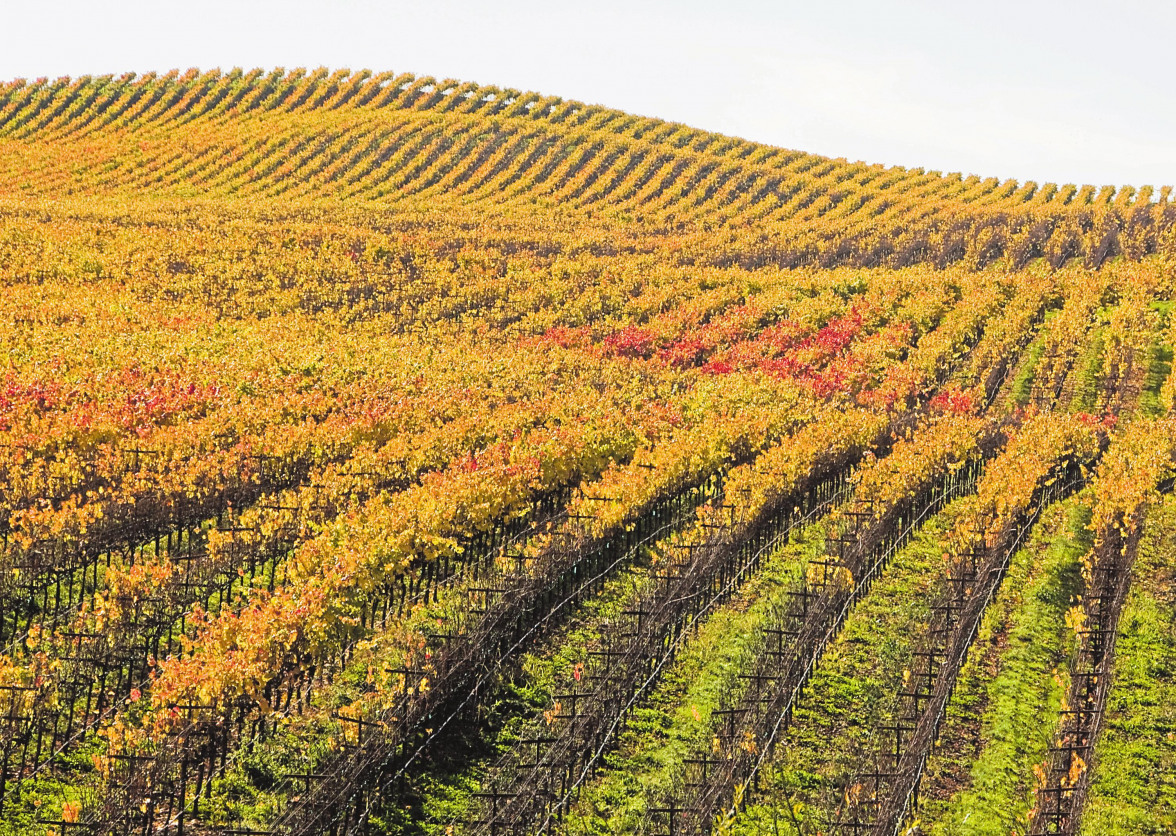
<point>385,139</point>
<point>386,455</point>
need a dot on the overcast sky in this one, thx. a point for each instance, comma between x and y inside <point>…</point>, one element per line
<point>1058,90</point>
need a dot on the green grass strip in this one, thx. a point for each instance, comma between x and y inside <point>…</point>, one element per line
<point>1022,385</point>
<point>1159,367</point>
<point>1087,374</point>
<point>675,723</point>
<point>1020,701</point>
<point>850,694</point>
<point>1134,781</point>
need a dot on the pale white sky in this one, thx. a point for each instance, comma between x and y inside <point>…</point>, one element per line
<point>1050,90</point>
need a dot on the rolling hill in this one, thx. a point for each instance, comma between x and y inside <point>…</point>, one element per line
<point>385,454</point>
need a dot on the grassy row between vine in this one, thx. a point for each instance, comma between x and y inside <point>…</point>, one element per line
<point>678,720</point>
<point>1005,709</point>
<point>1134,787</point>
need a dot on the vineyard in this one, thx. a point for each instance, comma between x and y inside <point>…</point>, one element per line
<point>394,455</point>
